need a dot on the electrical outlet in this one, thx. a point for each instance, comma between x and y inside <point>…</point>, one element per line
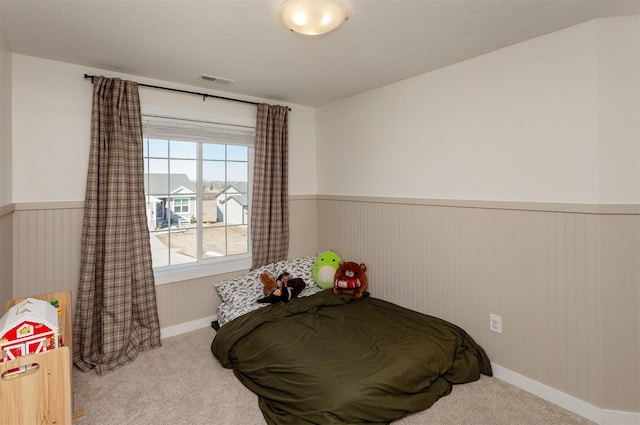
<point>495,323</point>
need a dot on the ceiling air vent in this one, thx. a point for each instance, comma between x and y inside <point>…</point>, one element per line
<point>216,79</point>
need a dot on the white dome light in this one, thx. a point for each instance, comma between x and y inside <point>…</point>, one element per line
<point>313,17</point>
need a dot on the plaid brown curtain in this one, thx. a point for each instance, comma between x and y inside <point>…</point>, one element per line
<point>116,312</point>
<point>270,199</point>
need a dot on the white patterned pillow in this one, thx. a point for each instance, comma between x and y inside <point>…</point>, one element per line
<point>240,294</point>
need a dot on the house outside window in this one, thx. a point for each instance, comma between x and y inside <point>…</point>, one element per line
<point>197,179</point>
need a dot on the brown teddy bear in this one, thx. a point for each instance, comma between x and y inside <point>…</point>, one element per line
<point>285,288</point>
<point>269,282</point>
<point>351,278</point>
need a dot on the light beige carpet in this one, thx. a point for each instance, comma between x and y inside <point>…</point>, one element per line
<point>182,383</point>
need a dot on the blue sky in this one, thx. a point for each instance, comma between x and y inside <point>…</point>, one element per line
<point>184,159</point>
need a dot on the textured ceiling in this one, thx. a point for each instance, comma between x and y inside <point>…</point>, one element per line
<point>383,41</point>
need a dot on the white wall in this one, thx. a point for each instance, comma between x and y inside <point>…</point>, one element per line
<point>6,233</point>
<point>619,109</point>
<point>5,121</point>
<point>531,122</point>
<point>552,119</point>
<point>52,127</point>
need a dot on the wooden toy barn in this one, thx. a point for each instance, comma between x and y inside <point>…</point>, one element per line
<point>27,328</point>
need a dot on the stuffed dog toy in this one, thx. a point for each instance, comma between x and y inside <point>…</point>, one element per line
<point>286,289</point>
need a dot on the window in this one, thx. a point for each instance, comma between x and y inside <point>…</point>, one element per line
<point>181,205</point>
<point>197,180</point>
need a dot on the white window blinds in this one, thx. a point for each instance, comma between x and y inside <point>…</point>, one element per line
<point>197,131</point>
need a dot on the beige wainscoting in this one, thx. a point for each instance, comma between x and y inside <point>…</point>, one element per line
<point>46,247</point>
<point>41,253</point>
<point>303,234</point>
<point>564,277</point>
<point>46,258</point>
<point>6,253</point>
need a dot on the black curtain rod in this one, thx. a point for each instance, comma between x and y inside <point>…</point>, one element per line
<point>204,95</point>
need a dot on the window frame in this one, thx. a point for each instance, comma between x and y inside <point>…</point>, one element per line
<point>208,266</point>
<point>184,206</point>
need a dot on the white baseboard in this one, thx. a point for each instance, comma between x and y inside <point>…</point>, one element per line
<point>185,327</point>
<point>566,401</point>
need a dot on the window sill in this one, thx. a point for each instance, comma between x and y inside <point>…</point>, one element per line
<point>182,273</point>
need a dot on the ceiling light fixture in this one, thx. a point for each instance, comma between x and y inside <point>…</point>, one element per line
<point>313,17</point>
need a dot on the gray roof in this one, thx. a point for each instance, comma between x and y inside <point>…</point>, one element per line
<point>164,184</point>
<point>241,197</point>
<point>239,186</point>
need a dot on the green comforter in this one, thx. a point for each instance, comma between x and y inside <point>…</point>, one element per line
<point>334,359</point>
